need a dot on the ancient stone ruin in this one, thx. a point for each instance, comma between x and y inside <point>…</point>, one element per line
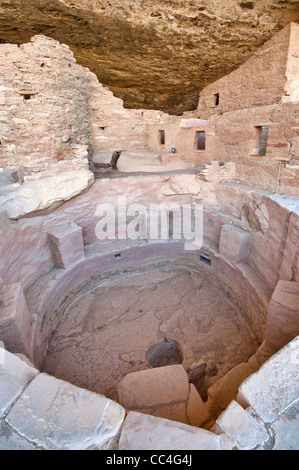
<point>149,275</point>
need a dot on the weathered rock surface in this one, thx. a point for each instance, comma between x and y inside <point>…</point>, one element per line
<point>145,161</point>
<point>153,55</point>
<point>162,434</point>
<point>11,440</point>
<point>153,387</point>
<point>44,194</point>
<point>286,429</point>
<point>15,374</point>
<point>242,427</point>
<point>273,388</point>
<point>14,318</point>
<point>283,315</point>
<point>54,414</point>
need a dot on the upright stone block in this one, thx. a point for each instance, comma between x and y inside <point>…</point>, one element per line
<point>198,374</point>
<point>163,392</point>
<point>283,315</point>
<point>234,243</point>
<point>66,244</point>
<point>14,319</point>
<point>197,411</point>
<point>154,387</point>
<point>275,386</point>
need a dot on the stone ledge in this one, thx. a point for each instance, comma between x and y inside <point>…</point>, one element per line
<point>272,389</point>
<point>286,429</point>
<point>54,414</point>
<point>42,412</point>
<point>144,432</point>
<point>15,374</point>
<point>242,428</point>
<point>45,194</point>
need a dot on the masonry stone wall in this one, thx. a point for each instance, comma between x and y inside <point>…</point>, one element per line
<point>115,128</point>
<point>53,110</point>
<point>261,80</point>
<point>44,110</point>
<point>236,139</point>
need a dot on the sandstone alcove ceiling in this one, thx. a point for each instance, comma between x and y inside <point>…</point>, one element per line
<point>155,55</point>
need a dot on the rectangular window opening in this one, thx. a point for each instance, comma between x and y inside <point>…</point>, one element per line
<point>162,137</point>
<point>200,140</point>
<point>216,99</point>
<point>260,148</point>
<point>117,256</point>
<point>27,96</point>
<point>205,259</point>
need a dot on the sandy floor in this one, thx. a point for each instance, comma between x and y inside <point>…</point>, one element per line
<point>104,334</point>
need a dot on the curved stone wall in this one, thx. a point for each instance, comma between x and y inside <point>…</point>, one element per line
<point>269,223</point>
<point>249,240</point>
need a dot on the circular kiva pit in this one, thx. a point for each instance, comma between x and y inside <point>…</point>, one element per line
<point>149,326</point>
<point>121,324</point>
<point>163,330</point>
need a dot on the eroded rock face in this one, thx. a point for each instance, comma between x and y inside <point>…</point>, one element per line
<point>152,54</point>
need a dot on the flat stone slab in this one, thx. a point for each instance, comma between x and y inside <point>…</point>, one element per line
<point>131,161</point>
<point>154,387</point>
<point>275,386</point>
<point>45,194</point>
<point>57,415</point>
<point>144,432</point>
<point>10,440</point>
<point>15,374</point>
<point>245,431</point>
<point>286,429</point>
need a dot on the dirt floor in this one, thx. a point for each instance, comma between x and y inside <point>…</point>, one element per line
<point>104,334</point>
